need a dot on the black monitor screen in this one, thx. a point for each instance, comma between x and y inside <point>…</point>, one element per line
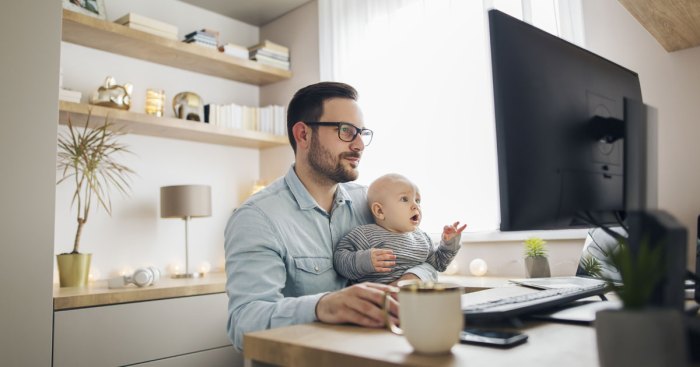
<point>552,165</point>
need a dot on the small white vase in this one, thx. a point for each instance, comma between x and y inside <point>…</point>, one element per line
<point>653,337</point>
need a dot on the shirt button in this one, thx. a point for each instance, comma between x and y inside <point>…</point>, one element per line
<point>316,268</point>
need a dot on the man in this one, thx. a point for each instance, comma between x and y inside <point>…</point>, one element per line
<point>279,244</point>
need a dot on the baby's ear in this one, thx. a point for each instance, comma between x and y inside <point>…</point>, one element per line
<point>377,211</point>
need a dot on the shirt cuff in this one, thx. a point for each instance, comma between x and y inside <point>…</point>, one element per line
<point>309,305</point>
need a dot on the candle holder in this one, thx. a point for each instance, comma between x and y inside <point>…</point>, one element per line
<point>155,102</point>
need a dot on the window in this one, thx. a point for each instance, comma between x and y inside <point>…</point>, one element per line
<point>422,69</point>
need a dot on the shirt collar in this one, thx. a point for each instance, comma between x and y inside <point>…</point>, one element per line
<point>304,199</point>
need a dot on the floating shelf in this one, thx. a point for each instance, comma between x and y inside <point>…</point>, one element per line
<point>116,38</point>
<point>166,127</point>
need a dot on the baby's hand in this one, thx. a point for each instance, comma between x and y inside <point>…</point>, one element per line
<point>449,232</point>
<point>382,260</point>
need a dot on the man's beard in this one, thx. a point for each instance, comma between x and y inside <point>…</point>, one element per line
<point>323,162</point>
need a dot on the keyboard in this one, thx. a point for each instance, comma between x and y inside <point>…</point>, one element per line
<point>514,306</point>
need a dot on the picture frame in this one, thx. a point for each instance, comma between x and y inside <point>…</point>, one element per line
<point>93,8</point>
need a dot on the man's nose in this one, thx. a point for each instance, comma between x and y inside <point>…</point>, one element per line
<point>357,144</point>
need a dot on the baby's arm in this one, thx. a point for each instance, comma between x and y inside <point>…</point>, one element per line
<point>353,258</point>
<point>441,256</point>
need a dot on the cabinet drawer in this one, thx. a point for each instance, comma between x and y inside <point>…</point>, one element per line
<point>219,357</point>
<point>137,332</point>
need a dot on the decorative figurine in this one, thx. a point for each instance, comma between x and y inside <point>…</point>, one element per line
<point>188,106</point>
<point>112,95</point>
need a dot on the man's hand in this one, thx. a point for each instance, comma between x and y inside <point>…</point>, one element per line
<point>360,304</point>
<point>449,232</point>
<point>382,260</point>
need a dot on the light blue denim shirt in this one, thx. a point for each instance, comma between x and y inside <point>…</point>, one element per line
<point>279,254</point>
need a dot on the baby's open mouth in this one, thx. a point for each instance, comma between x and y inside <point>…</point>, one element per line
<point>415,218</point>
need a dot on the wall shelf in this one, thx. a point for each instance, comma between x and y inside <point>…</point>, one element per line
<point>167,127</point>
<point>111,37</point>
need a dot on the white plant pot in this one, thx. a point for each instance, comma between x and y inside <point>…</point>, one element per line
<point>537,267</point>
<point>654,337</point>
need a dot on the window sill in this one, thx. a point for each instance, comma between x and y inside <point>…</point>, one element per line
<point>547,235</point>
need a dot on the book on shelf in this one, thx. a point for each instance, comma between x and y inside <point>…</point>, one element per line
<point>270,46</point>
<point>234,50</point>
<point>203,35</point>
<point>208,41</point>
<point>205,44</point>
<point>157,32</point>
<point>69,95</point>
<point>204,32</point>
<point>272,62</point>
<point>268,119</point>
<point>136,21</point>
<point>269,53</point>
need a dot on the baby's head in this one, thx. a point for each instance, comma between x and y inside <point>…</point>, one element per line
<point>395,203</point>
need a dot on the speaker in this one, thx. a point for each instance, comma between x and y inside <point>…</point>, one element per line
<point>141,277</point>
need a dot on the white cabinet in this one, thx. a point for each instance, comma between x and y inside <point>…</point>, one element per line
<point>170,332</point>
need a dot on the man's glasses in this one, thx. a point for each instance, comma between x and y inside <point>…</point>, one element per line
<point>346,131</point>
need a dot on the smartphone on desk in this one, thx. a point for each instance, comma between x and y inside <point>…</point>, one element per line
<point>494,338</point>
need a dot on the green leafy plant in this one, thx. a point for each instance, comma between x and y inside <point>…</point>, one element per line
<point>592,266</point>
<point>86,158</point>
<point>640,273</point>
<point>535,247</point>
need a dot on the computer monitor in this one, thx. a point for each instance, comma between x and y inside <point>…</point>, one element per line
<point>556,163</point>
<point>572,140</point>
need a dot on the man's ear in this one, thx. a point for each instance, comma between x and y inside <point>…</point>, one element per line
<point>377,211</point>
<point>302,134</point>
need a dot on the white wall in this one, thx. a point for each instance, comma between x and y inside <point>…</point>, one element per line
<point>671,83</point>
<point>135,235</point>
<point>29,76</point>
<point>303,48</point>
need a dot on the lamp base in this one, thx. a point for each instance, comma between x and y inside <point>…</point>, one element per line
<point>187,275</point>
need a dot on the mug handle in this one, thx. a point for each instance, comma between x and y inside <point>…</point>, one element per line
<point>387,319</point>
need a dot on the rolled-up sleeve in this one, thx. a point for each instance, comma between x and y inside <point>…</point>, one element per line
<point>425,272</point>
<point>256,275</point>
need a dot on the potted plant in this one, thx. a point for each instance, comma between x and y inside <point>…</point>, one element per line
<point>536,263</point>
<point>86,159</point>
<point>637,334</point>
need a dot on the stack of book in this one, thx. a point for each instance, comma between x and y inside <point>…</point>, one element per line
<point>69,95</point>
<point>270,53</point>
<point>145,24</point>
<point>204,37</point>
<point>234,50</point>
<point>270,119</point>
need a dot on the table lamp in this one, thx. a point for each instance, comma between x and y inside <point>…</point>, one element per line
<point>185,201</point>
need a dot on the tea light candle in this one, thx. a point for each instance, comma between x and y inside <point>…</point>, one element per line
<point>155,102</point>
<point>478,267</point>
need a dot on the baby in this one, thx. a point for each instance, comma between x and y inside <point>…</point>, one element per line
<point>382,252</point>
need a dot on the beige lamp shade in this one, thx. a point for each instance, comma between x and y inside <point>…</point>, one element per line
<point>184,201</point>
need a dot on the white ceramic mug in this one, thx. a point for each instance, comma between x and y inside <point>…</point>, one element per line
<point>430,315</point>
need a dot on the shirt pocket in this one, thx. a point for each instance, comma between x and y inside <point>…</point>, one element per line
<point>314,275</point>
<point>312,265</point>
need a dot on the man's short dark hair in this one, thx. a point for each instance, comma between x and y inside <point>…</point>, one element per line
<point>307,103</point>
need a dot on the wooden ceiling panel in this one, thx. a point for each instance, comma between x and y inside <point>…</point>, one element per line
<point>674,23</point>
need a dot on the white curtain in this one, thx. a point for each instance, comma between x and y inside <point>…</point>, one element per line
<point>422,69</point>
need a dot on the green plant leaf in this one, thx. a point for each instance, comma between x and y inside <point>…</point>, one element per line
<point>640,273</point>
<point>86,157</point>
<point>535,247</point>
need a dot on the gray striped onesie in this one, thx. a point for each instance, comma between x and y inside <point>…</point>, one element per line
<point>352,259</point>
